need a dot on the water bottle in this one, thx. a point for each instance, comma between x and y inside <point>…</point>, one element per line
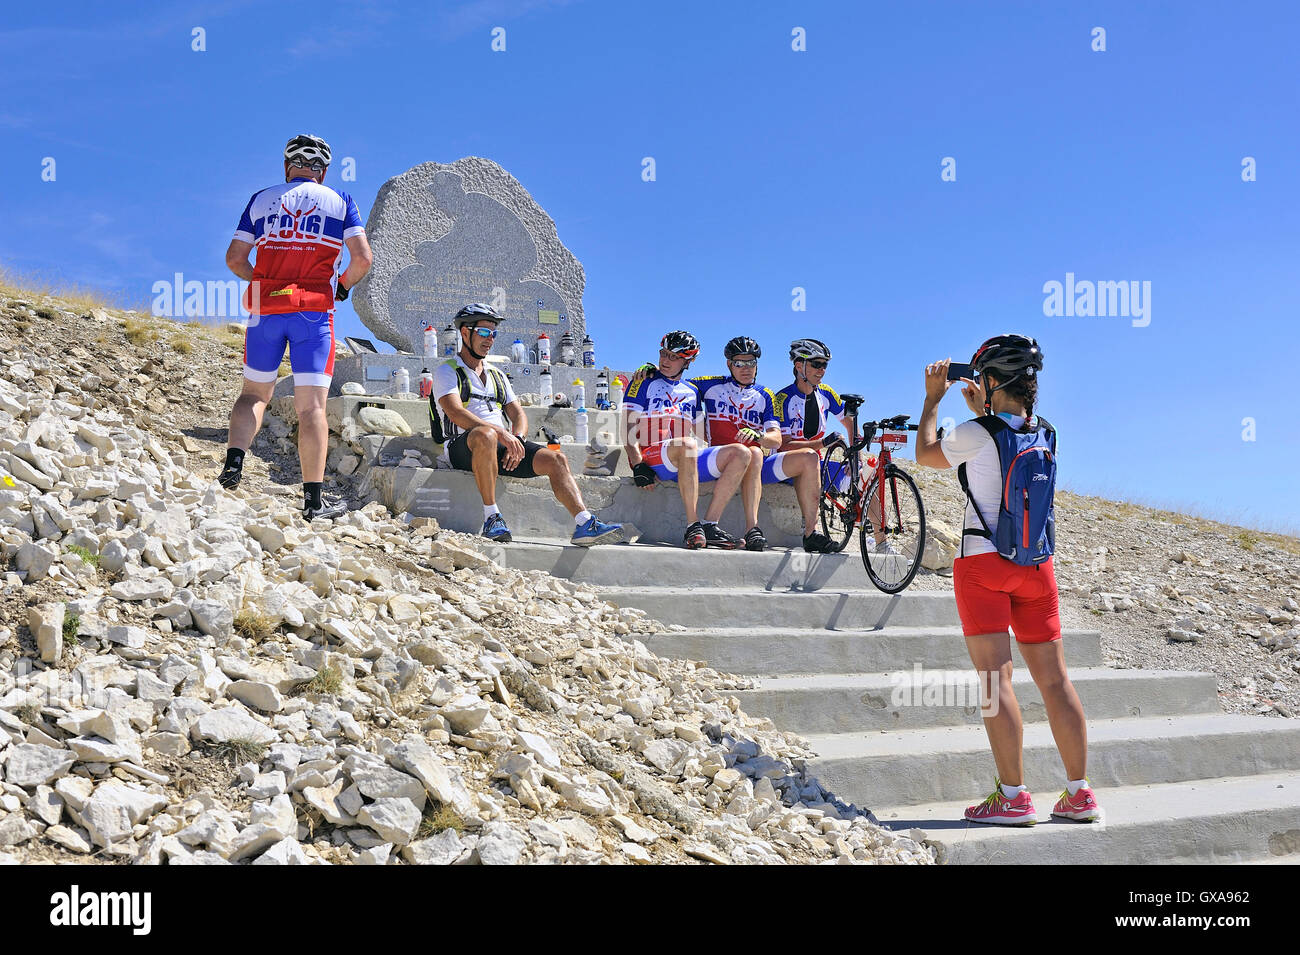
<point>518,353</point>
<point>430,341</point>
<point>426,383</point>
<point>581,435</point>
<point>546,383</point>
<point>602,391</point>
<point>403,382</point>
<point>450,342</point>
<point>588,352</point>
<point>616,393</point>
<point>566,349</point>
<point>579,393</point>
<point>543,349</point>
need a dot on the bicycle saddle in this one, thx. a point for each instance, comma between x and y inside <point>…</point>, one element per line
<point>852,402</point>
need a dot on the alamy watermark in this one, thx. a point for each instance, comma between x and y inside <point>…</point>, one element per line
<point>190,298</point>
<point>950,688</point>
<point>1086,299</point>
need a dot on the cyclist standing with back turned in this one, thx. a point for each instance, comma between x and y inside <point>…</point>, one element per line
<point>299,228</point>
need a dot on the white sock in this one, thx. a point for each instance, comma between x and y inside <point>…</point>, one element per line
<point>707,523</point>
<point>1011,792</point>
<point>1074,785</point>
<point>582,517</point>
<point>489,510</point>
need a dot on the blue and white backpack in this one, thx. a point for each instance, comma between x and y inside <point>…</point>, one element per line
<point>1026,529</point>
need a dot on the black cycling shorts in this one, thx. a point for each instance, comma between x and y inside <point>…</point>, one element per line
<point>462,459</point>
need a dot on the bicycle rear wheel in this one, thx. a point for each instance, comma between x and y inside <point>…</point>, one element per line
<point>893,538</point>
<point>836,508</point>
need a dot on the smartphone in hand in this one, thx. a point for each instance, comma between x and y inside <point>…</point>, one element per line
<point>958,370</point>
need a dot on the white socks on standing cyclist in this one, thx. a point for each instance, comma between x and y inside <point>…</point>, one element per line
<point>1074,785</point>
<point>1011,792</point>
<point>582,517</point>
<point>489,510</point>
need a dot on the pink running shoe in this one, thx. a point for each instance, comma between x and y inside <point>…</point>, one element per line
<point>1081,807</point>
<point>1000,810</point>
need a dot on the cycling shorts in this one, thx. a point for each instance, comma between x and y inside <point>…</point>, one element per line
<point>462,458</point>
<point>993,594</point>
<point>310,337</point>
<point>706,462</point>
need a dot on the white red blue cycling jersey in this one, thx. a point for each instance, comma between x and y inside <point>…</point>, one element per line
<point>298,228</point>
<point>729,406</point>
<point>667,406</point>
<point>791,404</point>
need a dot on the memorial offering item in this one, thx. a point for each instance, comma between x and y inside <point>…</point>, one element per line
<point>430,342</point>
<point>543,349</point>
<point>602,391</point>
<point>518,352</point>
<point>546,383</point>
<point>401,381</point>
<point>579,393</point>
<point>616,392</point>
<point>450,342</point>
<point>581,433</point>
<point>426,383</point>
<point>445,235</point>
<point>588,352</point>
<point>566,349</point>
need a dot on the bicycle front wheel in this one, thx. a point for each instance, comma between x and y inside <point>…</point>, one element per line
<point>837,508</point>
<point>893,530</point>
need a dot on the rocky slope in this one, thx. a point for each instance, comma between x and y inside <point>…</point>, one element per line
<point>197,677</point>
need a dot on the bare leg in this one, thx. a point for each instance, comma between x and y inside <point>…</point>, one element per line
<point>483,450</point>
<point>733,460</point>
<point>1046,662</point>
<point>991,654</point>
<point>681,453</point>
<point>804,466</point>
<point>246,416</point>
<point>751,487</point>
<point>313,430</point>
<point>554,465</point>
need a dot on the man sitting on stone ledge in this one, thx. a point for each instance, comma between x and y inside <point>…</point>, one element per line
<point>661,443</point>
<point>474,402</point>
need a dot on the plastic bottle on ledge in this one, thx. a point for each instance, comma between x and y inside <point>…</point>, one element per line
<point>426,383</point>
<point>588,352</point>
<point>566,349</point>
<point>581,434</point>
<point>602,391</point>
<point>518,353</point>
<point>401,382</point>
<point>579,393</point>
<point>547,385</point>
<point>430,341</point>
<point>616,393</point>
<point>543,349</point>
<point>450,342</point>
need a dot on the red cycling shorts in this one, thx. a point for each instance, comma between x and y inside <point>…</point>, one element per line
<point>993,594</point>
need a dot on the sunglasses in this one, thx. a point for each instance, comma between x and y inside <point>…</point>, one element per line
<point>819,363</point>
<point>482,332</point>
<point>745,362</point>
<point>314,165</point>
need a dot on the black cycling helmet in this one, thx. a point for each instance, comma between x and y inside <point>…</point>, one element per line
<point>1009,357</point>
<point>475,312</point>
<point>742,345</point>
<point>681,343</point>
<point>306,150</point>
<point>805,348</point>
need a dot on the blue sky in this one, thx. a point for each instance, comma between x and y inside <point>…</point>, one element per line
<point>776,169</point>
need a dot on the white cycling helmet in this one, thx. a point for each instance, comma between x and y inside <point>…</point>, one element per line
<point>306,151</point>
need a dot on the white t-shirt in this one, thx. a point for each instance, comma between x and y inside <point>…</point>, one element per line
<point>482,392</point>
<point>971,445</point>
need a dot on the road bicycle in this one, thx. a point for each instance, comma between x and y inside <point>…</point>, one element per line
<point>880,499</point>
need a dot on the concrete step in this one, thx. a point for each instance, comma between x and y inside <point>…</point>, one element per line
<point>668,565</point>
<point>908,767</point>
<point>916,699</point>
<point>769,651</point>
<point>815,610</point>
<point>1237,819</point>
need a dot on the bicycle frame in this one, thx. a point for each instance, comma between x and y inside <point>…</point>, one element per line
<point>889,439</point>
